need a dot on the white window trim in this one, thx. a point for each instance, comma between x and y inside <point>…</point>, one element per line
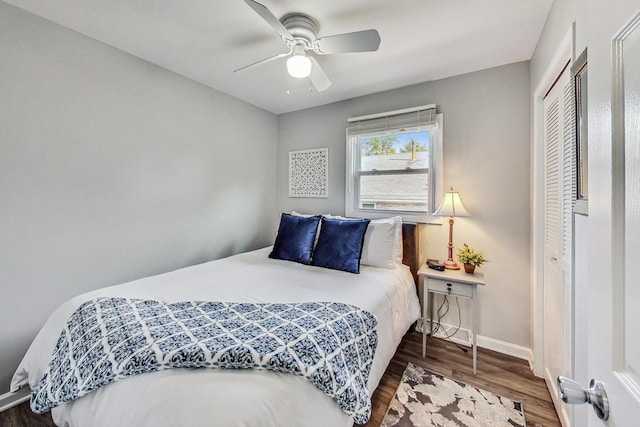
<point>435,181</point>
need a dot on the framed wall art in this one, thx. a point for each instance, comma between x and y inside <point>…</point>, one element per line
<point>309,173</point>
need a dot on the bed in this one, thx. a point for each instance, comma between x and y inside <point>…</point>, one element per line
<point>197,396</point>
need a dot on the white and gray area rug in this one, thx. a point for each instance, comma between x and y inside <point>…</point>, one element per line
<point>424,398</point>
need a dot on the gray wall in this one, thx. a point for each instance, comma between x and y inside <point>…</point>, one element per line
<point>112,169</point>
<point>486,155</point>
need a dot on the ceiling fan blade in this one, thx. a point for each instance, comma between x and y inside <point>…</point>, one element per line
<point>359,41</point>
<point>270,18</point>
<point>319,78</point>
<point>264,61</point>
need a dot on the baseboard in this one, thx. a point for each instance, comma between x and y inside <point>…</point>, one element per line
<point>506,348</point>
<point>9,400</point>
<point>452,333</point>
<point>463,337</point>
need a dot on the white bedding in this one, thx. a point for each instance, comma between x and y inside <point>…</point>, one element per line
<point>199,397</point>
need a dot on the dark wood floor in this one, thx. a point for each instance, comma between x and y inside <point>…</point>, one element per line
<point>504,375</point>
<point>21,416</point>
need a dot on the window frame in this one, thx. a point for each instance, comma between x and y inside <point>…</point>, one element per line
<point>435,174</point>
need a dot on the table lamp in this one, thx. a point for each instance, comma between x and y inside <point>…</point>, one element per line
<point>451,206</point>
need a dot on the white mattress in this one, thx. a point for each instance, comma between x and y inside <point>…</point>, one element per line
<point>199,397</point>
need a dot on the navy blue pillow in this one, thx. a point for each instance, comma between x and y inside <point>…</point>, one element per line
<point>295,238</point>
<point>340,244</point>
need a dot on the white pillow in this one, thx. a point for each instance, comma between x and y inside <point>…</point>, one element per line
<point>294,213</point>
<point>382,245</point>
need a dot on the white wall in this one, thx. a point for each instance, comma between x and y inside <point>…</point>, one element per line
<point>111,169</point>
<point>486,138</point>
<point>563,15</point>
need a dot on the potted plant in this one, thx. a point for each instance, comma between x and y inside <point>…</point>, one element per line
<point>470,258</point>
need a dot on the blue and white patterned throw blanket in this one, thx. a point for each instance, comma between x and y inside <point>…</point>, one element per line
<point>106,339</point>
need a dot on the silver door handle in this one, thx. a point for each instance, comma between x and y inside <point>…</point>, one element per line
<point>554,259</point>
<point>572,393</point>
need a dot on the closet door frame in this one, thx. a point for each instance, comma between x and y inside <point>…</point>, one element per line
<point>565,54</point>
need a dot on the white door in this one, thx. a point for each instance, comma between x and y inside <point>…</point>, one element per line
<point>614,207</point>
<point>558,176</point>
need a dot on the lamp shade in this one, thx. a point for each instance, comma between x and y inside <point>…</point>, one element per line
<point>451,205</point>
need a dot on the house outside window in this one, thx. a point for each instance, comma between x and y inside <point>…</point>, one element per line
<point>394,164</point>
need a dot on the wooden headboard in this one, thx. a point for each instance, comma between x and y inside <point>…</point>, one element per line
<point>410,246</point>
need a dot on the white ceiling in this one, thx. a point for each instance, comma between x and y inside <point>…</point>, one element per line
<point>205,40</point>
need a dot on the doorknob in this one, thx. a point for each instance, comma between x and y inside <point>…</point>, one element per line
<point>572,393</point>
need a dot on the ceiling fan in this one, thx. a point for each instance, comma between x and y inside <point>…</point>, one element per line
<point>299,33</point>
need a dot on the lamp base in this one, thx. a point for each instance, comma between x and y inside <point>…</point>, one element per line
<point>451,265</point>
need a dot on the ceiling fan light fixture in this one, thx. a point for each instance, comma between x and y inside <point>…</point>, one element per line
<point>299,66</point>
<point>299,32</point>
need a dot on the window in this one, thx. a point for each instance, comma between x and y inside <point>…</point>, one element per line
<point>394,164</point>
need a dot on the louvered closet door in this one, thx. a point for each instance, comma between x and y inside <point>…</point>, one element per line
<point>558,189</point>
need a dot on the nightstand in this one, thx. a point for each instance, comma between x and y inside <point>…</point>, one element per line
<point>449,282</point>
